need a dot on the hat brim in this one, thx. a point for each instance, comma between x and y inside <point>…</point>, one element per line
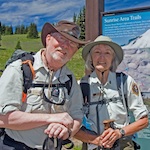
<point>117,49</point>
<point>48,28</point>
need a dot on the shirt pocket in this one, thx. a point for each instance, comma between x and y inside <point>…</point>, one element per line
<point>35,101</point>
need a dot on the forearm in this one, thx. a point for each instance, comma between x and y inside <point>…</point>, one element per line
<point>23,120</point>
<point>136,126</point>
<point>26,121</point>
<point>87,137</point>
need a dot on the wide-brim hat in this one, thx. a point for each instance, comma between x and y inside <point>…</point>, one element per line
<point>103,40</point>
<point>69,30</point>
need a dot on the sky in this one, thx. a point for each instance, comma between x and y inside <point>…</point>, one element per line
<point>16,12</point>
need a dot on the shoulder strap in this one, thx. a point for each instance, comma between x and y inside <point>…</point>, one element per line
<point>68,84</point>
<point>85,88</point>
<point>28,73</point>
<point>121,79</point>
<point>118,77</point>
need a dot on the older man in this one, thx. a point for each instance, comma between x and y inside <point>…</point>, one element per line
<point>49,108</point>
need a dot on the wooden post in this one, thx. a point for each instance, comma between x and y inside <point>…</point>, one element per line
<point>93,21</point>
<point>93,18</point>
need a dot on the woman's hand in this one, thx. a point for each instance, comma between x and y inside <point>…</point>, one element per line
<point>109,137</point>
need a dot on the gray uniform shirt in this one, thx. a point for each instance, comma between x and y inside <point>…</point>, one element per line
<point>113,106</point>
<point>11,98</point>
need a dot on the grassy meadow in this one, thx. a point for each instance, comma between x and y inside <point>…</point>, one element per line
<point>9,42</point>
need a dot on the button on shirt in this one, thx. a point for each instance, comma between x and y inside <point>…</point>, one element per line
<point>11,95</point>
<point>113,106</point>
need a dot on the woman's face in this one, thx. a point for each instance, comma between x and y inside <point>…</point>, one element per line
<point>102,57</point>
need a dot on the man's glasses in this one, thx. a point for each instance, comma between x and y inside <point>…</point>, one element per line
<point>63,40</point>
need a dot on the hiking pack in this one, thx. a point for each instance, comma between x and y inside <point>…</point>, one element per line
<point>28,76</point>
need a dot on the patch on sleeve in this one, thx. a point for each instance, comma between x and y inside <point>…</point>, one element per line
<point>135,89</point>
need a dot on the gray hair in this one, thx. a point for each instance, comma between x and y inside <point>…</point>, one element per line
<point>89,62</point>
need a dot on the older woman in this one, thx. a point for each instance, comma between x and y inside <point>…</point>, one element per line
<point>102,57</point>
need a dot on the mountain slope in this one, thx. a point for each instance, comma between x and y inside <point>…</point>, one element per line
<point>142,41</point>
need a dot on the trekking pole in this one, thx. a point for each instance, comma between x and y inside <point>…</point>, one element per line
<point>55,143</point>
<point>52,144</point>
<point>108,123</point>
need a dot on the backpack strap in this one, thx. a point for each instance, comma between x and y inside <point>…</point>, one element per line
<point>85,88</point>
<point>28,73</point>
<point>121,79</point>
<point>68,84</point>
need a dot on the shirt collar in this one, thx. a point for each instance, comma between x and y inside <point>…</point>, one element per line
<point>94,78</point>
<point>38,63</point>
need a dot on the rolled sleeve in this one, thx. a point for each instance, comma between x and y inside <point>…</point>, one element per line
<point>11,88</point>
<point>135,101</point>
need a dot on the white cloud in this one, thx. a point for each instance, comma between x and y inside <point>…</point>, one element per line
<point>17,12</point>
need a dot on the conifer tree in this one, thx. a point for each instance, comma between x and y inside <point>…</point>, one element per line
<point>18,46</point>
<point>80,20</point>
<point>32,31</point>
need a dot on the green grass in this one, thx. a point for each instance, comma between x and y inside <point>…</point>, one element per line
<point>9,42</point>
<point>76,65</point>
<point>77,147</point>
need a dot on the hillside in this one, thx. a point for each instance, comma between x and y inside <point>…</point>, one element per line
<point>9,42</point>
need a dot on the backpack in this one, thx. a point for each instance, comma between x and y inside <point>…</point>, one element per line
<point>27,68</point>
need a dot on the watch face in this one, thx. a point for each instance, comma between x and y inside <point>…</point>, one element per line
<point>122,132</point>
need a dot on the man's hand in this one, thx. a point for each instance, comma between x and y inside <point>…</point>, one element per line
<point>62,118</point>
<point>57,130</point>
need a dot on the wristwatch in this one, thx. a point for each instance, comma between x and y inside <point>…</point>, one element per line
<point>122,132</point>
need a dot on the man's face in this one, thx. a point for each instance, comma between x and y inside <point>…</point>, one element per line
<point>60,48</point>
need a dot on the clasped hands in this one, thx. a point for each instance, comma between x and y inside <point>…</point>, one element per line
<point>108,138</point>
